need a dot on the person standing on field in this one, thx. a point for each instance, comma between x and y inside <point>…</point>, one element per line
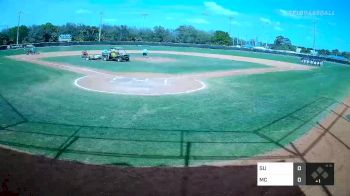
<point>145,52</point>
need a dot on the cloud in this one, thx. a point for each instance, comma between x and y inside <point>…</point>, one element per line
<point>301,26</point>
<point>218,9</point>
<point>278,28</point>
<point>265,20</point>
<point>283,12</point>
<point>82,11</point>
<point>198,21</point>
<point>179,7</point>
<point>274,24</point>
<point>269,22</point>
<point>241,23</point>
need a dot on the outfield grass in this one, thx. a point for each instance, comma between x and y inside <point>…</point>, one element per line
<point>223,121</point>
<point>183,64</point>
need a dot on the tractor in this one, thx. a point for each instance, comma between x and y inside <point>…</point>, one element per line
<point>85,55</point>
<point>31,50</point>
<point>115,54</point>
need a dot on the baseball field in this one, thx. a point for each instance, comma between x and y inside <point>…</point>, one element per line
<point>176,107</point>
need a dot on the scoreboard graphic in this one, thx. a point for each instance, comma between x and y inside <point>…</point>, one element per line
<point>294,174</point>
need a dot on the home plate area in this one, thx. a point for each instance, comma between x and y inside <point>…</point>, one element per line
<point>139,85</point>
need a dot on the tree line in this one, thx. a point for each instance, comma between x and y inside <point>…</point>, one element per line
<point>80,32</point>
<point>283,43</point>
<point>182,34</point>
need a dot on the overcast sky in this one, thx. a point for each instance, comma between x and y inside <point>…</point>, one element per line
<point>262,19</point>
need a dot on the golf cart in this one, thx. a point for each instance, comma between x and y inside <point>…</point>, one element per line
<point>115,54</point>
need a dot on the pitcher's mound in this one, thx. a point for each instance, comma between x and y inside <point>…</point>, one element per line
<point>139,86</point>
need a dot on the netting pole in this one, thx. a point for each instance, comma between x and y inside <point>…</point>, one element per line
<point>100,29</point>
<point>19,19</point>
<point>187,156</point>
<point>182,143</point>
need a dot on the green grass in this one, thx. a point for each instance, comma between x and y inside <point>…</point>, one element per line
<point>222,120</point>
<point>183,64</point>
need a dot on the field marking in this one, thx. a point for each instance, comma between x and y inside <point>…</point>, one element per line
<point>203,86</point>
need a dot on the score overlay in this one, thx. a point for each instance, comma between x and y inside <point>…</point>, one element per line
<point>294,174</point>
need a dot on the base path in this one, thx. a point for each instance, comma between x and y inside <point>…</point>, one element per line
<point>141,83</point>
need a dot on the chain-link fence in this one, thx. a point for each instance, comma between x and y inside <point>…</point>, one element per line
<point>154,147</point>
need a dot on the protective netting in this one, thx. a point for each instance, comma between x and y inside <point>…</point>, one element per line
<point>153,147</point>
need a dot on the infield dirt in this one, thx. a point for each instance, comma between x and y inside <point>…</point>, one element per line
<point>99,80</point>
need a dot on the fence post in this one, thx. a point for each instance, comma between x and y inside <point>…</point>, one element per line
<point>181,143</point>
<point>187,155</point>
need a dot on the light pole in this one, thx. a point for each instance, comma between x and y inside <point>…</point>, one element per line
<point>265,25</point>
<point>19,19</point>
<point>230,18</point>
<point>264,33</point>
<point>314,41</point>
<point>99,32</point>
<point>144,15</point>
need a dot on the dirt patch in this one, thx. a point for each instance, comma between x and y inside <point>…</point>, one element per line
<point>35,175</point>
<point>154,59</point>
